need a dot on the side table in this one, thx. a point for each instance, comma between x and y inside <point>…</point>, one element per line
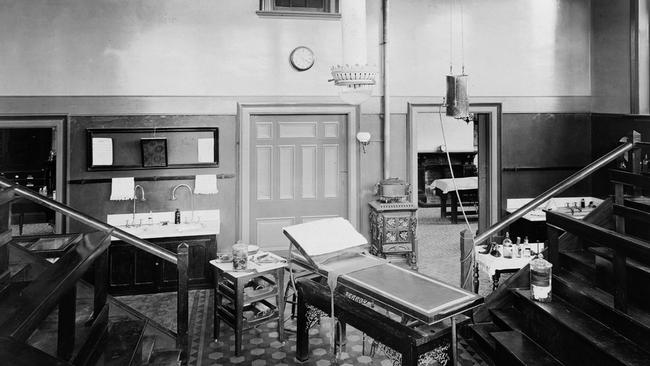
<point>241,297</point>
<point>392,230</point>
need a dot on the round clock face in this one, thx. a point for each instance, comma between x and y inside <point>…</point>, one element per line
<point>302,58</point>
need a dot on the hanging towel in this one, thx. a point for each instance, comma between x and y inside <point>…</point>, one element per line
<point>122,189</point>
<point>206,184</point>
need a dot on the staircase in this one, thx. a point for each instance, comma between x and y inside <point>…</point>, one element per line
<point>600,312</point>
<point>50,316</point>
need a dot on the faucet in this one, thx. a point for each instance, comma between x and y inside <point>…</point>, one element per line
<point>135,198</point>
<point>191,196</point>
<point>568,206</point>
<point>575,206</point>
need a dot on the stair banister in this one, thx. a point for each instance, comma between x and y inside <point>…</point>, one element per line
<point>87,220</point>
<point>553,191</point>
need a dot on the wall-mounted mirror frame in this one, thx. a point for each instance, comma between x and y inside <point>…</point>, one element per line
<point>175,135</point>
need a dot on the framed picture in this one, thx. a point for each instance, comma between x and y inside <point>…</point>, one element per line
<point>154,152</point>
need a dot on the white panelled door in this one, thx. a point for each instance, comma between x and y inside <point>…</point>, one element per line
<point>298,173</point>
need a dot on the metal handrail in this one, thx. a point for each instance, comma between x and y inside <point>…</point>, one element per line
<point>87,220</point>
<point>556,189</point>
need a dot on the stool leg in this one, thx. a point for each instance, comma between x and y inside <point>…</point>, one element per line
<point>302,331</point>
<point>454,342</point>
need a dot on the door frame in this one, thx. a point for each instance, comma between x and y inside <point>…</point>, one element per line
<point>244,113</point>
<point>58,122</point>
<point>489,157</point>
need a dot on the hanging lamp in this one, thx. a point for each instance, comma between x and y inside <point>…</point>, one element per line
<point>354,76</point>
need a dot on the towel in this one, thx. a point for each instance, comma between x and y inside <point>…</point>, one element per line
<point>122,189</point>
<point>206,184</point>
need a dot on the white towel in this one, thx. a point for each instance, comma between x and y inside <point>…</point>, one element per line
<point>122,189</point>
<point>205,184</point>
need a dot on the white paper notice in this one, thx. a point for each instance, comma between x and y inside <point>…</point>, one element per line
<point>102,151</point>
<point>206,150</point>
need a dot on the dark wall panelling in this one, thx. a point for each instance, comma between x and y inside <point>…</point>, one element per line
<point>607,130</point>
<point>538,150</point>
<point>90,190</point>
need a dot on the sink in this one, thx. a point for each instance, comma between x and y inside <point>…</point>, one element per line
<point>577,214</point>
<point>209,224</point>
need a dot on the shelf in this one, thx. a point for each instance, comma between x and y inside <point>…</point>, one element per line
<point>269,289</point>
<point>251,317</point>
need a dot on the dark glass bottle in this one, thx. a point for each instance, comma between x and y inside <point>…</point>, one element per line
<point>177,217</point>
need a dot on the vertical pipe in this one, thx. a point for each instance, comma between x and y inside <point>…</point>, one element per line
<point>386,93</point>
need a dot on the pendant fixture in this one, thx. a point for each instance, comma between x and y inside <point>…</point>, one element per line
<point>354,77</point>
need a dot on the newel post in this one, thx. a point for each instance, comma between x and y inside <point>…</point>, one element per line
<point>182,315</point>
<point>466,255</point>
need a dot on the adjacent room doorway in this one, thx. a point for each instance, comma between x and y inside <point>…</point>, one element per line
<point>296,166</point>
<point>473,147</point>
<point>31,154</point>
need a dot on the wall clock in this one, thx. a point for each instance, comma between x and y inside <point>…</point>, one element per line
<point>302,58</point>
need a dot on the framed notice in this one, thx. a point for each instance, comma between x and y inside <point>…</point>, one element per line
<point>154,152</point>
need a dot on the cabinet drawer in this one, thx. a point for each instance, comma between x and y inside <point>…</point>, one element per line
<point>397,248</point>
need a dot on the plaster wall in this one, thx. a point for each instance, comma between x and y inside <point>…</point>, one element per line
<point>512,49</point>
<point>610,56</point>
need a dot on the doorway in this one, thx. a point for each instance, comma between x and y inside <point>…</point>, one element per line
<point>474,150</point>
<point>297,164</point>
<point>31,154</point>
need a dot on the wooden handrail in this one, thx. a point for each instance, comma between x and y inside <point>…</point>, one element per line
<point>555,190</point>
<point>22,312</point>
<point>631,246</point>
<point>89,221</point>
<point>629,179</point>
<point>631,213</point>
<point>56,283</point>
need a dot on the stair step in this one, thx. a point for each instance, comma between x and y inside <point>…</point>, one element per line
<point>581,262</point>
<point>165,358</point>
<point>122,343</point>
<point>515,348</point>
<point>481,334</point>
<point>574,337</point>
<point>634,325</point>
<point>508,318</point>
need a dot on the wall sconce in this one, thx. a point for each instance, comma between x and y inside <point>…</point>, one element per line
<point>364,139</point>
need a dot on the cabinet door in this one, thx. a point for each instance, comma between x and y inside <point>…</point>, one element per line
<point>120,264</point>
<point>201,251</point>
<point>145,269</point>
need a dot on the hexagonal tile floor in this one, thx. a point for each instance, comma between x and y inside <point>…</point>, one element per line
<point>262,347</point>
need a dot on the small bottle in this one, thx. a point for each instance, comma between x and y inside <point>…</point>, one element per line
<point>582,203</point>
<point>507,246</point>
<point>177,217</point>
<point>516,250</point>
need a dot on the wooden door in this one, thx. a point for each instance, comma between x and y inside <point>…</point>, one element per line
<point>298,173</point>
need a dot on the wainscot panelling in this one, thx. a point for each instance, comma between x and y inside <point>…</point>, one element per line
<point>539,150</point>
<point>93,198</point>
<point>606,132</point>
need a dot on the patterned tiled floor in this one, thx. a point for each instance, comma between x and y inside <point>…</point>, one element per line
<point>261,345</point>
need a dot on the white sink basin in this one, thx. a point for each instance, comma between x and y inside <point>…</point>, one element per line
<point>209,224</point>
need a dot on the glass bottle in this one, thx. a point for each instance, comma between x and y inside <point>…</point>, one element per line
<point>507,246</point>
<point>541,273</point>
<point>516,249</point>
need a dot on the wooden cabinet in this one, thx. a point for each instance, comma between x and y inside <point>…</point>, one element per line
<point>392,230</point>
<point>134,271</point>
